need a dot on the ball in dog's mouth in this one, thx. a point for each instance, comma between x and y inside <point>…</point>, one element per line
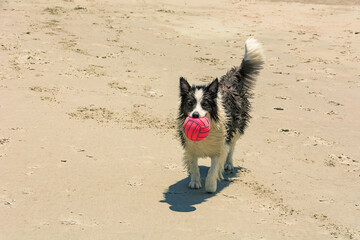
<point>196,129</point>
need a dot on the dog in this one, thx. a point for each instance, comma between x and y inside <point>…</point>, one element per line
<point>226,104</point>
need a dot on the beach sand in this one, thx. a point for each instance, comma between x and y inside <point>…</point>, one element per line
<point>89,98</point>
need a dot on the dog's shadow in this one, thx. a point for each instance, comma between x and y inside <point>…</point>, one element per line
<point>183,199</point>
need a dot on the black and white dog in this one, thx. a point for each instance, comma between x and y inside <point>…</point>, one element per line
<point>226,104</point>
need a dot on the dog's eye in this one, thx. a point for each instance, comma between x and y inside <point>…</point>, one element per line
<point>204,105</point>
<point>190,102</point>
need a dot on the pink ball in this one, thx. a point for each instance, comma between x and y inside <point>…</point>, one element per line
<point>196,129</point>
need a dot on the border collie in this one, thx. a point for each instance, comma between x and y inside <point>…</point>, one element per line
<point>226,104</point>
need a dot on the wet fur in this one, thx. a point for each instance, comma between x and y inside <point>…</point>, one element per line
<point>227,105</point>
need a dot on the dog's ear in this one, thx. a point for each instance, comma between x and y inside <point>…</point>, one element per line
<point>184,86</point>
<point>213,87</point>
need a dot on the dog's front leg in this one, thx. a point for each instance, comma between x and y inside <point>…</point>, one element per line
<point>211,179</point>
<point>192,165</point>
<point>215,171</point>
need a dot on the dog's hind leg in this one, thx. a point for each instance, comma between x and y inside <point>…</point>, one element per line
<point>192,165</point>
<point>229,159</point>
<point>229,165</point>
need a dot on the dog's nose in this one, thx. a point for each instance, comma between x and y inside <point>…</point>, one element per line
<point>195,115</point>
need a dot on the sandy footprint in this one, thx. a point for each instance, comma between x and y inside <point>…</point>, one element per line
<point>342,159</point>
<point>289,132</point>
<point>70,221</point>
<point>71,45</point>
<point>141,118</point>
<point>316,141</point>
<point>136,118</point>
<point>4,140</point>
<point>135,182</point>
<point>171,166</point>
<point>283,97</point>
<point>47,94</point>
<point>117,86</point>
<point>275,84</point>
<point>281,73</point>
<point>335,103</point>
<point>336,230</point>
<point>7,202</point>
<point>57,10</point>
<point>206,79</point>
<point>331,113</point>
<point>151,92</point>
<point>112,55</point>
<point>264,192</point>
<point>99,114</point>
<point>316,94</point>
<point>93,71</point>
<point>210,61</point>
<point>308,109</point>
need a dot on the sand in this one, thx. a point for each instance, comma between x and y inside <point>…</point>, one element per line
<point>89,97</point>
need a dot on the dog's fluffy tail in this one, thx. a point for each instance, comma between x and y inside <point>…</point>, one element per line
<point>252,62</point>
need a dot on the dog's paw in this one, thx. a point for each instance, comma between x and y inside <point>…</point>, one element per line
<point>211,185</point>
<point>229,166</point>
<point>195,185</point>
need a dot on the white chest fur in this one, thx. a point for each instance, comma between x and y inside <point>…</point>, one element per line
<point>211,146</point>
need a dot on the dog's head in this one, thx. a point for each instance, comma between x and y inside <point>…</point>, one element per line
<point>199,101</point>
